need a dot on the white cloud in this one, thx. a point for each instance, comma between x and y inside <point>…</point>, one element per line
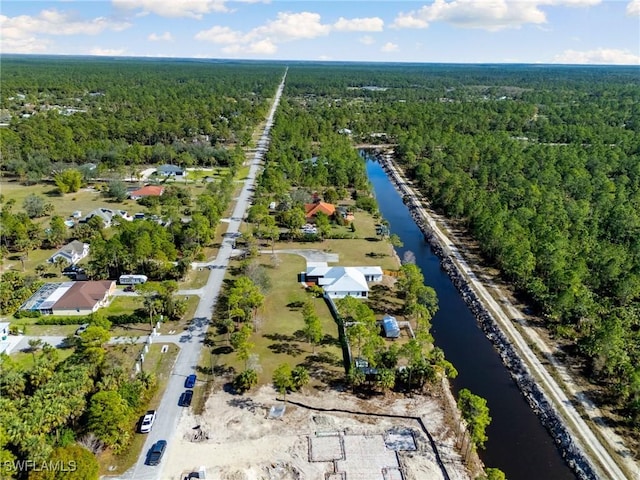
<point>409,20</point>
<point>18,32</point>
<point>600,56</point>
<point>370,24</point>
<point>223,35</point>
<point>389,47</point>
<point>173,8</point>
<point>261,47</point>
<point>489,15</point>
<point>633,8</point>
<point>290,26</point>
<point>165,37</point>
<point>107,52</point>
<point>264,39</point>
<point>367,40</point>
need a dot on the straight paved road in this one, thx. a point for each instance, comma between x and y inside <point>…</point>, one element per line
<point>169,411</point>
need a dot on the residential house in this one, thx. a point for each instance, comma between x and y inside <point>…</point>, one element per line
<point>312,209</point>
<point>147,191</point>
<point>340,282</point>
<point>171,171</point>
<point>106,215</point>
<point>71,298</point>
<point>71,253</point>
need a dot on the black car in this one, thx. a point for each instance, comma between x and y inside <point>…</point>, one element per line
<point>185,398</point>
<point>156,452</point>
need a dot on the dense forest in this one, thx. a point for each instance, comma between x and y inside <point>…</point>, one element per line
<point>116,113</point>
<point>541,163</point>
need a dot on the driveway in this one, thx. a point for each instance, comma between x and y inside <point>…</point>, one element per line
<point>310,255</point>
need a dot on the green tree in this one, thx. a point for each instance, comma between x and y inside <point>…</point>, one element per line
<point>299,378</point>
<point>34,205</point>
<point>245,381</point>
<point>110,418</point>
<point>68,181</point>
<point>282,380</point>
<point>57,233</point>
<point>77,463</point>
<point>492,474</point>
<point>240,342</point>
<point>475,412</point>
<point>117,190</point>
<point>312,325</point>
<point>395,241</point>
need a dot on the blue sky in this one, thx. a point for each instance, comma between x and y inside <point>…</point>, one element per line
<point>461,31</point>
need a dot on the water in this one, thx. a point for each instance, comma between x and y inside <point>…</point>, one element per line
<point>518,443</point>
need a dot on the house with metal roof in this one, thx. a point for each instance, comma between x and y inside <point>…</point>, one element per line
<point>340,282</point>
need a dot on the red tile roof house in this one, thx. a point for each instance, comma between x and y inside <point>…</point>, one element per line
<point>84,298</point>
<point>147,191</point>
<point>312,209</point>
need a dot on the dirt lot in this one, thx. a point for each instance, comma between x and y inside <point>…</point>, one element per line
<point>237,439</point>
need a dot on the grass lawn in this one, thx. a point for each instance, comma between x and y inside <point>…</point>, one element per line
<point>25,359</point>
<point>243,172</point>
<point>161,365</point>
<point>278,338</point>
<point>85,199</point>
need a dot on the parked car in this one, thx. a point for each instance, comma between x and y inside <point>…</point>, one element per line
<point>82,328</point>
<point>190,382</point>
<point>185,398</point>
<point>156,452</point>
<point>147,421</point>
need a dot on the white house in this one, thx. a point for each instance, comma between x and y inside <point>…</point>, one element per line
<point>340,282</point>
<point>71,253</point>
<point>171,171</point>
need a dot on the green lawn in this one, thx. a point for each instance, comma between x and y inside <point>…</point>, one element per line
<point>278,338</point>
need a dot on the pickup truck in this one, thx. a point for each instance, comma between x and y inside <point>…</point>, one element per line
<point>147,421</point>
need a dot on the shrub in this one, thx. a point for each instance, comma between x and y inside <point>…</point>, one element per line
<point>55,320</point>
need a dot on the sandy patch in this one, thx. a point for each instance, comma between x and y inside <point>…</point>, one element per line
<point>236,439</point>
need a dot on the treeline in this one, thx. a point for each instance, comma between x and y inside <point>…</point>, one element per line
<point>118,112</point>
<point>543,166</point>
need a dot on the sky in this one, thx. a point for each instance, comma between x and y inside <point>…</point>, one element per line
<point>427,31</point>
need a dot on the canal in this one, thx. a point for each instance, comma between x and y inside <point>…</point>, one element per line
<point>518,444</point>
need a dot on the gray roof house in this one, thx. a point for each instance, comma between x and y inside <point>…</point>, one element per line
<point>72,253</point>
<point>171,171</point>
<point>106,214</point>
